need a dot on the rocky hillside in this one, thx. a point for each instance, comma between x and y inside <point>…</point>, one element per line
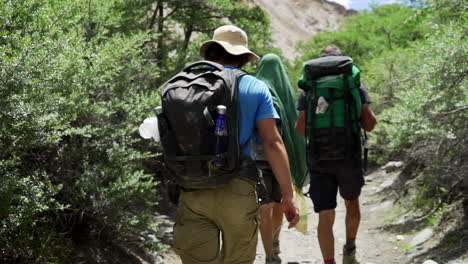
<point>296,20</point>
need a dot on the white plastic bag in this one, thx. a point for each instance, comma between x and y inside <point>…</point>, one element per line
<point>322,106</point>
<point>302,206</point>
<point>149,129</point>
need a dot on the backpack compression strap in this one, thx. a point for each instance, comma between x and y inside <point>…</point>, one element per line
<point>311,104</point>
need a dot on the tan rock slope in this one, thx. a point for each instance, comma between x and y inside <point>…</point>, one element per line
<point>297,20</point>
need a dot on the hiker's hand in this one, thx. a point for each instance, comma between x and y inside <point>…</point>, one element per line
<point>291,211</point>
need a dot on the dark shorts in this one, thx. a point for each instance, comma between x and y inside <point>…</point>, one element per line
<point>327,177</point>
<point>271,192</point>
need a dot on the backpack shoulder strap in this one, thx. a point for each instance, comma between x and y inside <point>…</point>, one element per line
<point>232,78</point>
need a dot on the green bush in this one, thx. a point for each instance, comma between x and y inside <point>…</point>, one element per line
<point>71,160</point>
<point>365,36</point>
<point>432,93</point>
<point>76,80</point>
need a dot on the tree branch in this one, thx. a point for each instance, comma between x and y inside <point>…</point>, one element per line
<point>153,17</point>
<point>442,114</point>
<point>455,110</point>
<point>441,202</point>
<point>172,12</point>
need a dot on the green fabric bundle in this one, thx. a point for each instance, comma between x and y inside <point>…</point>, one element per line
<point>272,72</point>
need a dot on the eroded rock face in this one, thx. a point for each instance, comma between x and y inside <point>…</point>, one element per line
<point>298,20</point>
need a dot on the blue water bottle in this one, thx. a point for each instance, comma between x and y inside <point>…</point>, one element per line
<point>220,132</point>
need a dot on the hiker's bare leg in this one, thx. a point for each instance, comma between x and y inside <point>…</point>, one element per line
<point>266,228</point>
<point>325,233</point>
<point>277,220</point>
<point>353,218</point>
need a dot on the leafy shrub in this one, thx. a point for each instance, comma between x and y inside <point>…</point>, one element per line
<point>71,161</point>
<point>365,36</point>
<point>76,80</point>
<point>432,94</point>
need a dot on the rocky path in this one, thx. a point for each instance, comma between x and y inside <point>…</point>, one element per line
<point>375,244</point>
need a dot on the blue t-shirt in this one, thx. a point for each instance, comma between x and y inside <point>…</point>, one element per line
<point>255,104</point>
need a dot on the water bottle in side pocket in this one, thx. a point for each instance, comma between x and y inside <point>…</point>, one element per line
<point>220,132</point>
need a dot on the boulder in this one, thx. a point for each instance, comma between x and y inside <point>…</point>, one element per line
<point>422,237</point>
<point>393,166</point>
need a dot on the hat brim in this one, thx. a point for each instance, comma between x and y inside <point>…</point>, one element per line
<point>231,49</point>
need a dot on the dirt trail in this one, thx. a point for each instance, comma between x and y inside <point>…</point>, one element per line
<point>374,245</point>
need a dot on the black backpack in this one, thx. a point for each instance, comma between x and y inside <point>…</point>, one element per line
<point>186,126</point>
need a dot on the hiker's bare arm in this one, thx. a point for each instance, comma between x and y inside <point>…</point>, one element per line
<point>368,118</point>
<point>276,154</point>
<point>300,124</point>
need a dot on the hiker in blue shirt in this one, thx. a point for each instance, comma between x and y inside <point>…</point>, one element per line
<point>231,210</point>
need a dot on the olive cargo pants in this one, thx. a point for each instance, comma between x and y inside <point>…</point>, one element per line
<point>205,215</point>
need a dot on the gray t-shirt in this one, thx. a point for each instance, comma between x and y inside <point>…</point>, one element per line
<point>365,98</point>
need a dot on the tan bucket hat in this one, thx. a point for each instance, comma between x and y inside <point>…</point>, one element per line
<point>232,39</point>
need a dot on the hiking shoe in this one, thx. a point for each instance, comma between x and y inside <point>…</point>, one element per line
<point>349,257</point>
<point>273,260</point>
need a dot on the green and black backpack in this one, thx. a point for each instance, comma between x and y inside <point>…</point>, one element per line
<point>333,108</point>
<point>186,126</point>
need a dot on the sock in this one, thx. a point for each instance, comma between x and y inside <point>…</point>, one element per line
<point>330,261</point>
<point>350,244</point>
